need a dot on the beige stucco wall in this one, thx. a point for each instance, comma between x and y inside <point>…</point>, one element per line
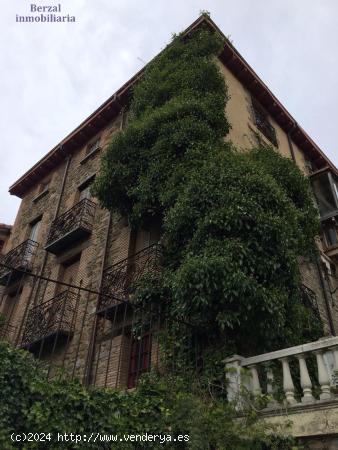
<point>239,114</point>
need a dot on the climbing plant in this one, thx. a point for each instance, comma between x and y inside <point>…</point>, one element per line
<point>34,413</point>
<point>233,223</point>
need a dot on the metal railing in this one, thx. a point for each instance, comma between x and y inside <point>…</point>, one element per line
<point>119,280</point>
<point>20,257</point>
<point>55,316</point>
<point>309,299</point>
<point>79,216</point>
<point>265,126</point>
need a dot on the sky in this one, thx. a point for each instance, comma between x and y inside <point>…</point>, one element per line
<point>53,75</point>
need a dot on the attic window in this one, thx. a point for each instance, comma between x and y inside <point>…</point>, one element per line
<point>43,189</point>
<point>262,122</point>
<point>93,146</point>
<point>43,186</point>
<point>91,149</point>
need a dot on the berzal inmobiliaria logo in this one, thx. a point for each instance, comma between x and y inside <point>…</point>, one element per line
<point>46,13</point>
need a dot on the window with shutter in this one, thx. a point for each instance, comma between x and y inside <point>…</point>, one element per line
<point>34,229</point>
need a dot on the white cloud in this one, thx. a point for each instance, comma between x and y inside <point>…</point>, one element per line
<point>54,75</point>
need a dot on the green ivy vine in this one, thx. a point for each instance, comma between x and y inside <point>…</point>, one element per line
<point>233,223</point>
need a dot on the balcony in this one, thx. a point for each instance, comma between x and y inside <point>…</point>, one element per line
<point>301,383</point>
<point>16,261</point>
<point>72,226</point>
<point>263,124</point>
<point>50,323</point>
<point>325,188</point>
<point>119,280</point>
<point>309,300</point>
<point>330,238</point>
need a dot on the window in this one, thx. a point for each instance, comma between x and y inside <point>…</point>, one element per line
<point>84,188</point>
<point>140,356</point>
<point>68,273</point>
<point>34,229</point>
<point>325,190</point>
<point>84,193</point>
<point>43,186</point>
<point>330,232</point>
<point>42,190</point>
<point>93,146</point>
<point>262,122</point>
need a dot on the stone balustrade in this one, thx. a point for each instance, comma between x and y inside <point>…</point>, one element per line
<point>261,375</point>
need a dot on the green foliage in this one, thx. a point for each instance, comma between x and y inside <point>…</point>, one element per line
<point>233,224</point>
<point>233,239</point>
<point>177,115</point>
<point>159,405</point>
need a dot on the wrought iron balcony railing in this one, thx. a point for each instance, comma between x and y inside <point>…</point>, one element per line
<point>265,126</point>
<point>309,299</point>
<point>119,280</point>
<point>51,322</point>
<point>73,225</point>
<point>17,260</point>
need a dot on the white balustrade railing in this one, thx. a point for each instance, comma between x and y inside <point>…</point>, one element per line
<point>325,353</point>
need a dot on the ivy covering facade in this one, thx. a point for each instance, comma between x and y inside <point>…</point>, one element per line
<point>233,224</point>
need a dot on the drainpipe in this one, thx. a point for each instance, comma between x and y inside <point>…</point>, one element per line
<point>65,173</point>
<point>91,350</point>
<point>90,355</point>
<point>45,254</point>
<point>294,126</point>
<point>327,303</point>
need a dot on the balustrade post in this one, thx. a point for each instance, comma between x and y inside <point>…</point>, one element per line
<point>233,377</point>
<point>305,380</point>
<point>288,386</point>
<point>323,376</point>
<point>335,357</point>
<point>269,388</point>
<point>335,366</point>
<point>256,388</point>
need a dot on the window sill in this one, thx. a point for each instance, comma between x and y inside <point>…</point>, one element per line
<point>40,196</point>
<point>90,155</point>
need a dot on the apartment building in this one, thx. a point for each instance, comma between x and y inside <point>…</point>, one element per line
<point>68,264</point>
